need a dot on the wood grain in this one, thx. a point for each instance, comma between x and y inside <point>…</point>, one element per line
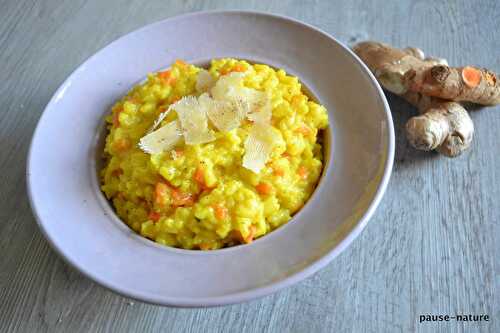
<point>432,246</point>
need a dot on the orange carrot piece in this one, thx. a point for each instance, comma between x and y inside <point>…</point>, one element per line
<point>249,238</point>
<point>278,172</point>
<point>182,199</point>
<point>207,190</point>
<point>117,172</point>
<point>154,216</point>
<point>133,100</point>
<point>122,144</point>
<point>296,99</point>
<point>179,152</point>
<point>204,246</point>
<point>264,188</point>
<point>171,80</point>
<point>166,77</point>
<point>199,176</point>
<point>116,117</point>
<point>220,211</point>
<point>471,76</point>
<point>304,130</point>
<point>161,192</point>
<point>239,68</point>
<point>303,172</point>
<point>181,63</point>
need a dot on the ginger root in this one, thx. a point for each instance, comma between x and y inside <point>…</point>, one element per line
<point>390,65</point>
<point>405,70</point>
<point>456,83</point>
<point>443,125</point>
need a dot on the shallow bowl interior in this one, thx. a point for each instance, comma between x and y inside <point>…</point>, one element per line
<point>81,226</point>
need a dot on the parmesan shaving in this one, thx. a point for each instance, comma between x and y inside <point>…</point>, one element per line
<point>256,104</point>
<point>258,146</point>
<point>158,121</point>
<point>230,103</point>
<point>193,119</point>
<point>204,81</point>
<point>226,86</point>
<point>225,115</point>
<point>163,139</point>
<point>260,106</point>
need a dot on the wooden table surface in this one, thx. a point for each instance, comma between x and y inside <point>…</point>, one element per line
<point>432,246</point>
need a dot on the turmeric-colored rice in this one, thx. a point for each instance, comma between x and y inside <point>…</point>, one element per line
<point>200,196</point>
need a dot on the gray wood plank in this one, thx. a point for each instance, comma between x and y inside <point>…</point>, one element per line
<point>432,246</point>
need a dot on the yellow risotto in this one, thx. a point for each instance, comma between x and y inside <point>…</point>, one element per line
<point>200,196</point>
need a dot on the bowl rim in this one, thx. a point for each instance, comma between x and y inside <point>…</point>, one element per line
<point>247,295</point>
